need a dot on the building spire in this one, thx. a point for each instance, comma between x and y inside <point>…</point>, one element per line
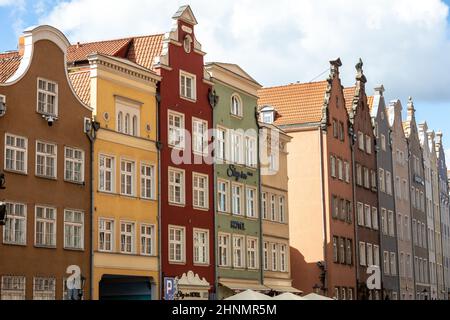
<point>411,109</point>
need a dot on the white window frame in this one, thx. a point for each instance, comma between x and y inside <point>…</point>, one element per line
<point>73,161</point>
<point>362,254</point>
<point>199,139</point>
<point>223,196</point>
<point>184,88</point>
<point>174,132</point>
<point>240,253</point>
<point>15,150</point>
<point>181,243</point>
<point>46,157</point>
<point>274,256</point>
<point>235,199</point>
<point>148,239</point>
<point>237,147</point>
<point>252,265</point>
<point>264,207</point>
<point>251,202</point>
<point>13,288</point>
<point>128,235</point>
<point>224,248</point>
<point>44,288</point>
<point>273,208</point>
<point>148,181</point>
<point>221,144</point>
<point>266,256</point>
<point>104,231</point>
<point>251,152</point>
<point>105,170</point>
<point>197,191</point>
<point>124,173</point>
<point>181,185</point>
<point>283,258</point>
<point>205,246</point>
<point>45,222</point>
<point>236,110</point>
<point>16,237</point>
<point>47,93</point>
<point>282,209</point>
<point>72,224</point>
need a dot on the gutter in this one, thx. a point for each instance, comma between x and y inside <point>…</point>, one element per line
<point>159,146</point>
<point>91,138</point>
<point>324,213</point>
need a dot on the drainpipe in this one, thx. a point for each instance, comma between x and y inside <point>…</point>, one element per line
<point>355,209</point>
<point>410,221</point>
<point>159,147</point>
<point>324,211</point>
<point>261,235</point>
<point>216,233</point>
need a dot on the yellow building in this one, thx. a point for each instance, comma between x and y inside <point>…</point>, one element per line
<point>125,177</point>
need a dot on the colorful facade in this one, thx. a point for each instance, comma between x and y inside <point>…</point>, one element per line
<point>237,181</point>
<point>46,159</point>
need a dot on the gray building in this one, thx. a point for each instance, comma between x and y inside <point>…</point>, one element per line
<point>418,206</point>
<point>386,197</point>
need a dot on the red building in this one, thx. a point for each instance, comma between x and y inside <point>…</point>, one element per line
<point>186,185</point>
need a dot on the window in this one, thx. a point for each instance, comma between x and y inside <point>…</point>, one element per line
<point>407,229</point>
<point>347,172</point>
<point>374,179</point>
<point>73,229</point>
<point>386,263</point>
<point>359,176</point>
<point>187,44</point>
<point>366,178</point>
<point>335,129</point>
<point>221,144</point>
<point>343,294</point>
<point>268,117</point>
<point>391,223</point>
<point>383,142</point>
<point>200,191</point>
<point>127,124</point>
<point>74,165</point>
<point>368,145</point>
<point>222,196</point>
<point>349,252</point>
<point>274,257</point>
<point>106,235</point>
<point>362,254</point>
<point>336,293</point>
<point>236,191</point>
<point>176,244</point>
<point>342,250</point>
<point>334,207</point>
<point>341,131</point>
<point>200,136</point>
<point>224,250</point>
<point>44,288</point>
<point>106,173</point>
<point>147,181</point>
<point>14,232</point>
<point>127,178</point>
<point>384,221</point>
<point>375,218</point>
<point>350,294</point>
<point>264,206</point>
<point>135,131</point>
<point>251,203</point>
<point>368,217</point>
<point>388,183</point>
<point>45,227</point>
<point>252,254</point>
<point>283,258</point>
<point>12,288</point>
<point>127,232</point>
<point>360,214</point>
<point>361,141</point>
<point>382,180</point>
<point>349,212</point>
<point>273,213</point>
<point>376,255</point>
<point>236,106</point>
<point>187,85</point>
<point>176,130</point>
<point>333,166</point>
<point>281,211</point>
<point>16,153</point>
<point>46,159</point>
<point>400,226</point>
<point>237,148</point>
<point>147,239</point>
<point>201,247</point>
<point>369,255</point>
<point>340,169</point>
<point>393,264</point>
<point>266,256</point>
<point>238,252</point>
<point>47,97</point>
<point>251,155</point>
<point>335,250</point>
<point>176,186</point>
<point>343,213</point>
<point>120,122</point>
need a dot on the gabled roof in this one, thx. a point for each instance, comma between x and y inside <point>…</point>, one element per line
<point>185,13</point>
<point>81,83</point>
<point>296,103</point>
<point>9,63</point>
<point>141,50</point>
<point>234,68</point>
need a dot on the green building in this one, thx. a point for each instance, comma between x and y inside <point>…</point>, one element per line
<point>237,178</point>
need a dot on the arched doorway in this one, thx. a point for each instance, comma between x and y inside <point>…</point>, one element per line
<point>118,287</point>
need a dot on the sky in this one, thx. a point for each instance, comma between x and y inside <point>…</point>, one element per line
<point>405,44</point>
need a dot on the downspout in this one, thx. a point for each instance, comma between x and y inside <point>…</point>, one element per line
<point>159,146</point>
<point>324,211</point>
<point>261,235</point>
<point>410,221</point>
<point>355,209</point>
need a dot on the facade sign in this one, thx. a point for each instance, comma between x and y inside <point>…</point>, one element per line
<point>170,287</point>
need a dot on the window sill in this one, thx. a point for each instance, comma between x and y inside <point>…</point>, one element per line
<point>44,247</point>
<point>201,209</point>
<point>46,178</point>
<point>188,99</point>
<point>179,205</point>
<point>82,183</point>
<point>74,249</point>
<point>178,263</point>
<point>238,117</point>
<point>202,265</point>
<point>14,244</point>
<point>16,172</point>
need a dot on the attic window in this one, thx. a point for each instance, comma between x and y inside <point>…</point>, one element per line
<point>268,117</point>
<point>187,44</point>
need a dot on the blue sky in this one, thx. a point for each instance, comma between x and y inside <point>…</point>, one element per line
<point>405,44</point>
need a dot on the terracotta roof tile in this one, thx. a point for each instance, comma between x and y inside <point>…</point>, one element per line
<point>80,52</point>
<point>296,103</point>
<point>82,85</point>
<point>9,63</point>
<point>370,102</point>
<point>143,50</point>
<point>349,94</point>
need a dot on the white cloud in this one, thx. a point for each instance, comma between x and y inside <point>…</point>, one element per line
<point>404,43</point>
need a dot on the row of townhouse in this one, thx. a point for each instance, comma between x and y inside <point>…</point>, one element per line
<point>115,184</point>
<point>370,190</point>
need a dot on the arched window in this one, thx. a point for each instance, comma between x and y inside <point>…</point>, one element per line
<point>135,126</point>
<point>127,124</point>
<point>120,122</point>
<point>236,106</point>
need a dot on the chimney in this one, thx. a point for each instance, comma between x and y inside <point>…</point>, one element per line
<point>21,45</point>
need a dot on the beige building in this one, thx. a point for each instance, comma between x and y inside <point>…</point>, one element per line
<point>274,210</point>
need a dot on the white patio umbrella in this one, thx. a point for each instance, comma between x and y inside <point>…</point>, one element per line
<point>315,296</point>
<point>288,296</point>
<point>249,295</point>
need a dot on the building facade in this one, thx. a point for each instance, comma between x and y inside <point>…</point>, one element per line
<point>125,177</point>
<point>402,201</point>
<point>321,215</point>
<point>47,234</point>
<point>365,187</point>
<point>418,206</point>
<point>237,181</point>
<point>445,214</point>
<point>386,196</point>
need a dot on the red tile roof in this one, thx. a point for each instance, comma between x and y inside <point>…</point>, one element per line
<point>143,50</point>
<point>80,51</point>
<point>296,103</point>
<point>349,94</point>
<point>9,63</point>
<point>81,83</point>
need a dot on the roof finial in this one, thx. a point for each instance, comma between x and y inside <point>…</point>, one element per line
<point>379,90</point>
<point>360,72</point>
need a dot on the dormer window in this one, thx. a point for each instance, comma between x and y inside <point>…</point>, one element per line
<point>236,106</point>
<point>47,97</point>
<point>187,44</point>
<point>268,115</point>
